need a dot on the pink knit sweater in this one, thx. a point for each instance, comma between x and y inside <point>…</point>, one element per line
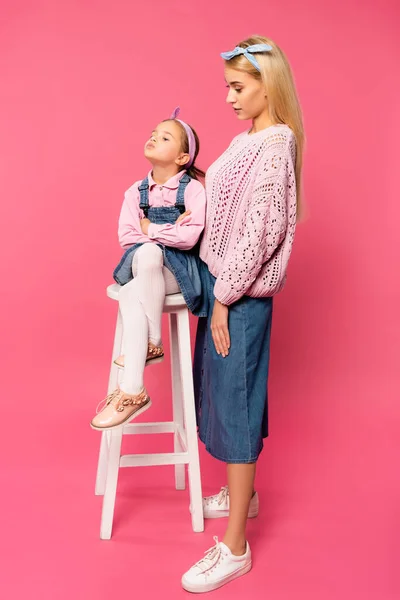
<point>251,214</point>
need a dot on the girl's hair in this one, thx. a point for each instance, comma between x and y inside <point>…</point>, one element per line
<point>283,103</point>
<point>193,171</point>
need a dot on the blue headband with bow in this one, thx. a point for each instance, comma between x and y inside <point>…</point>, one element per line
<point>248,53</point>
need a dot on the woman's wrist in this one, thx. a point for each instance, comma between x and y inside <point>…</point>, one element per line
<point>221,303</point>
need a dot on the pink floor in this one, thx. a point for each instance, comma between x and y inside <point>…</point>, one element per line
<point>326,530</point>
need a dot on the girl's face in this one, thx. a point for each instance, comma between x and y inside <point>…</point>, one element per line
<point>164,145</point>
<point>246,94</point>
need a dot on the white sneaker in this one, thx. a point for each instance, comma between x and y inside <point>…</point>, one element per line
<point>218,567</point>
<point>217,506</point>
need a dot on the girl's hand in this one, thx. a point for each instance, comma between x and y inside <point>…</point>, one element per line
<point>183,215</point>
<point>144,224</point>
<point>219,328</point>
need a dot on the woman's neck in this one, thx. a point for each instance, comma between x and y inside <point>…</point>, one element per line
<point>261,122</point>
<point>161,174</point>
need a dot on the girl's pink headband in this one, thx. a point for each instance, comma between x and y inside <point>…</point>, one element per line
<point>190,135</point>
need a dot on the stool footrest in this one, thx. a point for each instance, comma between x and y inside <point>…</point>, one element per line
<point>148,460</point>
<point>167,427</point>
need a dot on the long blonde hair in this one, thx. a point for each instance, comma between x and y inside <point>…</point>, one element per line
<point>283,103</point>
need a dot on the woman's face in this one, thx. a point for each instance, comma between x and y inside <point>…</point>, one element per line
<point>246,94</point>
<point>164,145</point>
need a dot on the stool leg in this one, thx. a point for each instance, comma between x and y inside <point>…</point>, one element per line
<point>196,501</point>
<point>102,465</point>
<point>177,397</point>
<point>107,514</point>
<point>105,436</point>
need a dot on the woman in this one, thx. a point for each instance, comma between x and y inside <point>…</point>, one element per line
<point>253,199</point>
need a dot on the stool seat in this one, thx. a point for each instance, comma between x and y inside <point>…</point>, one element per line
<point>171,301</point>
<point>183,426</point>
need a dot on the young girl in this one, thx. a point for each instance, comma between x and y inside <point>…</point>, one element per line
<point>253,194</point>
<point>161,221</point>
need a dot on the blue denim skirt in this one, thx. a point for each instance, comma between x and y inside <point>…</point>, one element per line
<point>231,393</point>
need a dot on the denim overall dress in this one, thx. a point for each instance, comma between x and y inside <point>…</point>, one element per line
<point>185,265</point>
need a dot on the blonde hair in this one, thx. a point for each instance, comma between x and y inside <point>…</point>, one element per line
<point>283,103</point>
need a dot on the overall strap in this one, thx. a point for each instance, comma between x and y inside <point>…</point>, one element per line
<point>144,195</point>
<point>180,196</point>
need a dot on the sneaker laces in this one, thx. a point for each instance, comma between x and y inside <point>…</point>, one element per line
<point>212,557</point>
<point>112,398</point>
<point>221,497</point>
<point>224,493</point>
<point>120,400</point>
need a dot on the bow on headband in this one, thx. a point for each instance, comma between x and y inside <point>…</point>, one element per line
<point>248,53</point>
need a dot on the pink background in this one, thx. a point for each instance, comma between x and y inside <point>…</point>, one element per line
<point>83,84</point>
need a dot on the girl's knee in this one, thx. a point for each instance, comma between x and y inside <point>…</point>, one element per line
<point>149,255</point>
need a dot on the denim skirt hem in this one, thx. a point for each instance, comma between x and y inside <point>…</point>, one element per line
<point>231,461</point>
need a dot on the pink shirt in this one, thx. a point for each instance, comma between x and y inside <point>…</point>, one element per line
<point>183,235</point>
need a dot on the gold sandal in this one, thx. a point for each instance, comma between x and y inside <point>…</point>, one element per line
<point>119,408</point>
<point>155,354</point>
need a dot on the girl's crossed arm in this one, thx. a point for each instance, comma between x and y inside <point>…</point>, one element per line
<point>185,233</point>
<point>129,229</point>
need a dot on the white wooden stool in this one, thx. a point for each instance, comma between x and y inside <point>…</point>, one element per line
<point>183,425</point>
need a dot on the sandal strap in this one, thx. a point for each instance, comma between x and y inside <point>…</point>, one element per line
<point>131,400</point>
<point>155,350</point>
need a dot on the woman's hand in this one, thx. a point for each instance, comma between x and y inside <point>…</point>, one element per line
<point>183,216</point>
<point>144,224</point>
<point>219,328</point>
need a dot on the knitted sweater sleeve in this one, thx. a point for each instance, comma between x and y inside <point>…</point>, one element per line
<point>263,226</point>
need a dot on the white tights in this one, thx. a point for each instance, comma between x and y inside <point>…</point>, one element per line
<point>141,303</point>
